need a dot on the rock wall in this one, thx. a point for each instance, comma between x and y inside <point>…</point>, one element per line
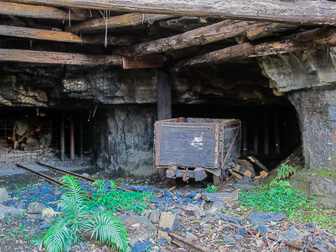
<point>309,78</point>
<point>124,139</point>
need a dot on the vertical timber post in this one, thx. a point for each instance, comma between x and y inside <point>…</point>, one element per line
<point>255,136</point>
<point>81,137</point>
<point>72,138</point>
<point>164,109</point>
<point>163,96</point>
<point>277,134</point>
<point>62,147</point>
<point>266,137</point>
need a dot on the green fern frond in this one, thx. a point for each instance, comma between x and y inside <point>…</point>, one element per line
<point>58,237</point>
<point>109,229</point>
<point>74,189</point>
<point>101,186</point>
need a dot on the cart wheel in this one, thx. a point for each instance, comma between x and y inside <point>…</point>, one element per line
<point>173,182</point>
<point>215,180</point>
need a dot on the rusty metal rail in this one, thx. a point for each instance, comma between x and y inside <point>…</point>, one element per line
<point>41,175</point>
<point>53,181</point>
<point>66,172</point>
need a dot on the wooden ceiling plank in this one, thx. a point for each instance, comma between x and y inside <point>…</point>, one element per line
<point>59,36</point>
<point>46,57</point>
<point>299,11</point>
<point>201,36</point>
<point>132,19</point>
<point>42,12</point>
<point>308,40</point>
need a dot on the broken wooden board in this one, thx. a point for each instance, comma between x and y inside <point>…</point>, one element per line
<point>258,163</point>
<point>144,61</point>
<point>220,196</point>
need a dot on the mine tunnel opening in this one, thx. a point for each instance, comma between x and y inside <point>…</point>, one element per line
<point>42,134</point>
<point>269,132</point>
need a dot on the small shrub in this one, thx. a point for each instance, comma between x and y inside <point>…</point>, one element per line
<point>210,189</point>
<point>285,171</point>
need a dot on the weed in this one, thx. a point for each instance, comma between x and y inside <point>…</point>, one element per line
<point>210,189</point>
<point>285,171</point>
<point>280,197</point>
<point>115,200</point>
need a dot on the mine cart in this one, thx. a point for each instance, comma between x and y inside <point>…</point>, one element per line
<point>195,147</point>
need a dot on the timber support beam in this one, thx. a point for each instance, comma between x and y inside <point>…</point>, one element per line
<point>300,11</point>
<point>303,41</point>
<point>58,58</point>
<point>42,12</point>
<point>60,36</point>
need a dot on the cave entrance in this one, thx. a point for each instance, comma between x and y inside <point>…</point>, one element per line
<point>39,134</point>
<point>269,132</point>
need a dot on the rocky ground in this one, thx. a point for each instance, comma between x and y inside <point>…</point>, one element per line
<point>182,219</point>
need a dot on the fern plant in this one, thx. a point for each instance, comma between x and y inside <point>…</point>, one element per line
<point>68,230</point>
<point>285,171</point>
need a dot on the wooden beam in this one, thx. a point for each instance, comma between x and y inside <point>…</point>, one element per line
<point>72,138</point>
<point>58,58</point>
<point>200,36</point>
<point>270,29</point>
<point>42,12</point>
<point>39,34</point>
<point>299,11</point>
<point>303,41</point>
<point>116,22</point>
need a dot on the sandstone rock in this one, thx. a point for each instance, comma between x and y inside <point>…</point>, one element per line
<point>139,228</point>
<point>195,210</point>
<point>217,206</point>
<point>16,211</point>
<point>35,208</point>
<point>3,195</point>
<point>190,236</point>
<point>168,221</point>
<point>152,215</point>
<point>5,210</point>
<point>165,235</point>
<point>325,246</point>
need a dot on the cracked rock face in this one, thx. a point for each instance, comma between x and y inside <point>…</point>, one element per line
<point>125,140</point>
<point>310,78</point>
<point>301,70</point>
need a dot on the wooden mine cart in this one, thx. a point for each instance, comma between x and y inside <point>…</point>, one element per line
<point>194,147</point>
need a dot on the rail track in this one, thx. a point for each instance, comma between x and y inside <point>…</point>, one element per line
<point>54,181</point>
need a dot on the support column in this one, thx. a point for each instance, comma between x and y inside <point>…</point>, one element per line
<point>72,139</point>
<point>81,138</point>
<point>266,135</point>
<point>164,109</point>
<point>62,147</point>
<point>163,96</point>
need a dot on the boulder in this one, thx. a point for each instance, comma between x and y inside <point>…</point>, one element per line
<point>3,195</point>
<point>35,208</point>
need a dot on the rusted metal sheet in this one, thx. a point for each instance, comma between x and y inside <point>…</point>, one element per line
<point>197,142</point>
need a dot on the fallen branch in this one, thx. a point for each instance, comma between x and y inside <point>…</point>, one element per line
<point>183,240</point>
<point>271,237</point>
